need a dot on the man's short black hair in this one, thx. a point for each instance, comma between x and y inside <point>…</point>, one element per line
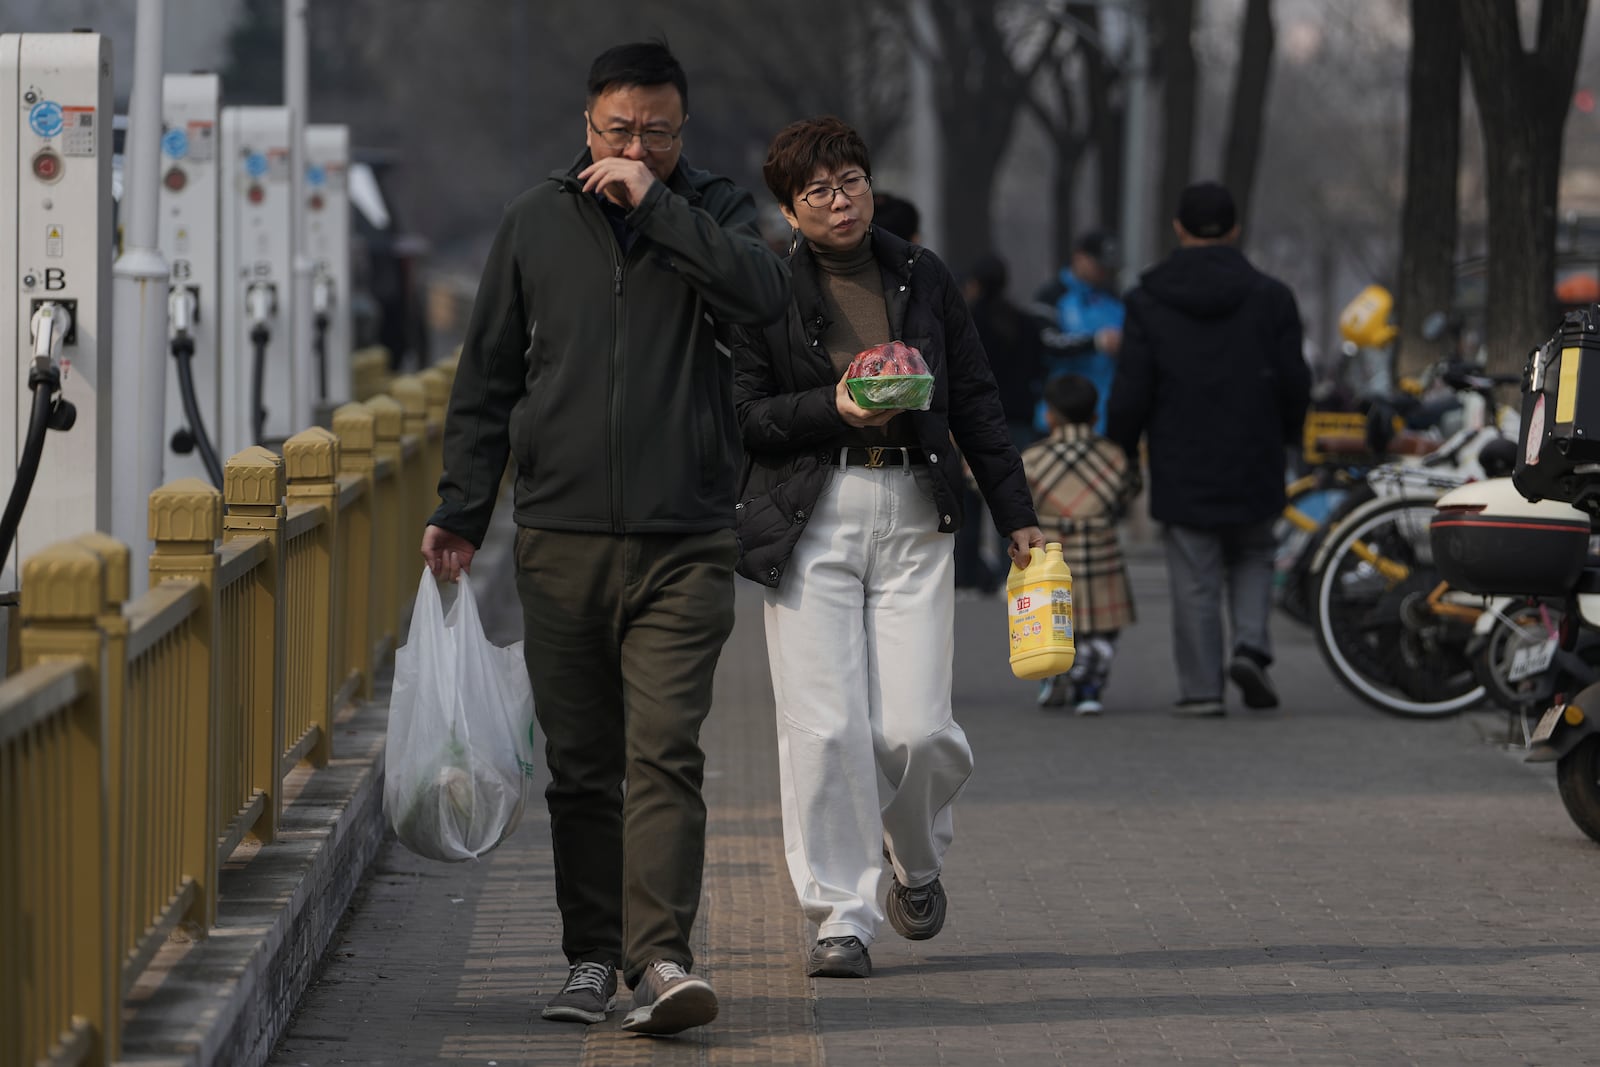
<point>896,214</point>
<point>1073,397</point>
<point>640,63</point>
<point>990,274</point>
<point>1097,245</point>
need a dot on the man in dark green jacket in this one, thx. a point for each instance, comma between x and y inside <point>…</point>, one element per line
<point>595,357</point>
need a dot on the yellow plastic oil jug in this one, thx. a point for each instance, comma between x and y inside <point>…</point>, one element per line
<point>1039,601</point>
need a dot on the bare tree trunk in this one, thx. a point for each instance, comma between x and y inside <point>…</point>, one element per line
<point>1069,117</point>
<point>1258,39</point>
<point>1433,153</point>
<point>1105,133</point>
<point>979,90</point>
<point>1522,102</point>
<point>1174,30</point>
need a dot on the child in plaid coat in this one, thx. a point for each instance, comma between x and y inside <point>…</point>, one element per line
<point>1082,484</point>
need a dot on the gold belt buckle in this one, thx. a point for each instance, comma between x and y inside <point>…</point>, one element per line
<point>874,457</point>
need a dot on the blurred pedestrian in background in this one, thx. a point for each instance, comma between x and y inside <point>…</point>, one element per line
<point>897,215</point>
<point>1082,485</point>
<point>1212,376</point>
<point>1088,319</point>
<point>1010,339</point>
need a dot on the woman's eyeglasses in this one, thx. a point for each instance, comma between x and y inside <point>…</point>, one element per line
<point>821,196</point>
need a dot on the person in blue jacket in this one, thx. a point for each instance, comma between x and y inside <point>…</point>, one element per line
<point>1087,314</point>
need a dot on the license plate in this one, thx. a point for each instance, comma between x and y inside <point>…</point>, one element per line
<point>1532,660</point>
<point>1547,723</point>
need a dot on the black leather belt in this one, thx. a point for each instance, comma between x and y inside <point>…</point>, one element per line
<point>875,456</point>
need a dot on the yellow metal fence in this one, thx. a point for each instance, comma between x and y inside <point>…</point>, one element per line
<point>143,741</point>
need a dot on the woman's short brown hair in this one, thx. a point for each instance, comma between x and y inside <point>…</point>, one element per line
<point>802,147</point>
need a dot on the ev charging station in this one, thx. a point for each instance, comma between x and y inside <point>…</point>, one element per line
<point>56,241</point>
<point>257,339</point>
<point>327,243</point>
<point>190,242</point>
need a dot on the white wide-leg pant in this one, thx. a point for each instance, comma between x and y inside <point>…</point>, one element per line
<point>860,636</point>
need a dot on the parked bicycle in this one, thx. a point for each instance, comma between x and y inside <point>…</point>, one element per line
<point>1339,447</point>
<point>1389,627</point>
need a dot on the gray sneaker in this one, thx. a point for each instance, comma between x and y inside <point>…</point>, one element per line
<point>916,914</point>
<point>590,992</point>
<point>669,999</point>
<point>839,957</point>
<point>1200,709</point>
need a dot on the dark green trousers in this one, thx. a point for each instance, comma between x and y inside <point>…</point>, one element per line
<point>622,638</point>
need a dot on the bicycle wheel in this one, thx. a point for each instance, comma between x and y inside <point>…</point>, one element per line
<point>1297,584</point>
<point>1374,626</point>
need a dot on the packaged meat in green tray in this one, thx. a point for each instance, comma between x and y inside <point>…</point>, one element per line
<point>890,376</point>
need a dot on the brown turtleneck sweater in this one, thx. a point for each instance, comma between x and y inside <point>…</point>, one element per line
<point>852,294</point>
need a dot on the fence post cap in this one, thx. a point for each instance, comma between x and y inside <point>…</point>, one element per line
<point>188,510</point>
<point>311,456</point>
<point>356,426</point>
<point>436,380</point>
<point>118,561</point>
<point>253,478</point>
<point>411,394</point>
<point>63,581</point>
<point>387,414</point>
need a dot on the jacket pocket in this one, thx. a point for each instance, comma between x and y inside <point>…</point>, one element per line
<point>530,409</point>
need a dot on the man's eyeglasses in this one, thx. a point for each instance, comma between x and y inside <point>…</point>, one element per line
<point>652,140</point>
<point>821,196</point>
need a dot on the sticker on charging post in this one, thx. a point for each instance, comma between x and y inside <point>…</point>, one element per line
<point>78,134</point>
<point>45,118</point>
<point>278,160</point>
<point>175,143</point>
<point>202,141</point>
<point>53,242</point>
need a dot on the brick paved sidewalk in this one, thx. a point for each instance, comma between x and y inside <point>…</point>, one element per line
<point>1324,884</point>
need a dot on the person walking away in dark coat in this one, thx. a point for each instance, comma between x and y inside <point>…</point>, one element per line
<point>596,357</point>
<point>897,215</point>
<point>845,516</point>
<point>1082,485</point>
<point>1010,338</point>
<point>1213,377</point>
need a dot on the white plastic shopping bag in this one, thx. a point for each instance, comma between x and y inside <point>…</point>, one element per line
<point>460,744</point>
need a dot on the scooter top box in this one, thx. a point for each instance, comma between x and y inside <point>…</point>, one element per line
<point>1488,540</point>
<point>1558,457</point>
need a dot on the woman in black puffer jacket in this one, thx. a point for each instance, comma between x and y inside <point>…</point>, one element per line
<point>845,515</point>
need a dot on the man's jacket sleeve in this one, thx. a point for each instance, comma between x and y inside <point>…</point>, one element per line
<point>721,255</point>
<point>1293,373</point>
<point>488,384</point>
<point>1133,388</point>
